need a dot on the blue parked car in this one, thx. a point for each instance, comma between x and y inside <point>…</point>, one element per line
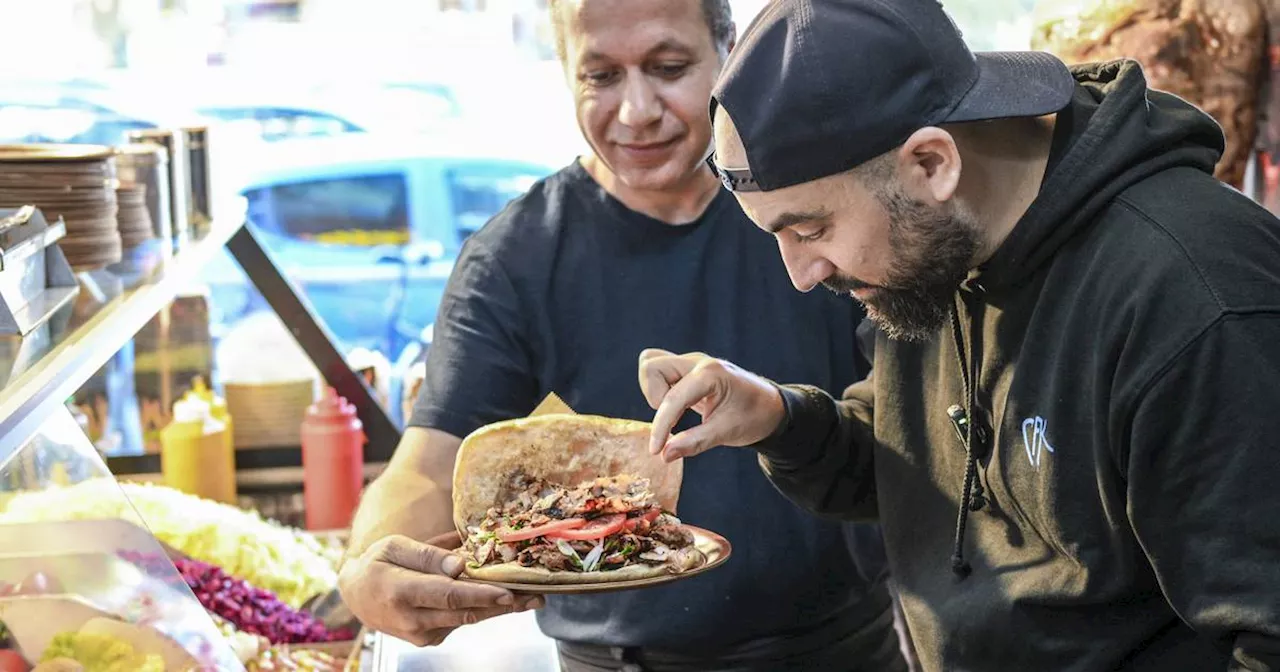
<point>368,226</point>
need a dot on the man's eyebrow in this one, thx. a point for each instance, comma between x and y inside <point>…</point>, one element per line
<point>663,46</point>
<point>787,219</point>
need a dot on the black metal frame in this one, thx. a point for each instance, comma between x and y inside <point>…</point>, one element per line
<point>315,340</point>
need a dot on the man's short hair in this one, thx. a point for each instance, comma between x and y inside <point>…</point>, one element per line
<point>878,171</point>
<point>717,13</point>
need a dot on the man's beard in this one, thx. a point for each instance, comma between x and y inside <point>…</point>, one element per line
<point>932,253</point>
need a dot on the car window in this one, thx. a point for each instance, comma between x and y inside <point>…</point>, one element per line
<point>479,194</point>
<point>277,123</point>
<point>364,210</point>
<point>64,121</point>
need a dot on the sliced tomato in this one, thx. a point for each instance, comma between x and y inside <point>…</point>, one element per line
<point>649,516</point>
<point>508,536</point>
<point>11,661</point>
<point>596,529</point>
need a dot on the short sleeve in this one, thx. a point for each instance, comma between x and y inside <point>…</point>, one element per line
<point>479,366</point>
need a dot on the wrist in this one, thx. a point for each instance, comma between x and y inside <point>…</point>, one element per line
<point>779,412</point>
<point>803,424</point>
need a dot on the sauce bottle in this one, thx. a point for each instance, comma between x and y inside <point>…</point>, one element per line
<point>217,406</point>
<point>332,462</point>
<point>194,453</point>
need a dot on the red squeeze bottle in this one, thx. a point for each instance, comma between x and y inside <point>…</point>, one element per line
<point>332,462</point>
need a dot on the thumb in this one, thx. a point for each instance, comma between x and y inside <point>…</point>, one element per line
<point>420,557</point>
<point>696,440</point>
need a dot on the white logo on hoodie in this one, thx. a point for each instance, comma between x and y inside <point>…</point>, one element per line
<point>1034,440</point>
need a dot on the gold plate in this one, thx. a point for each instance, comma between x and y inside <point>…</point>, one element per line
<point>715,547</point>
<point>53,152</point>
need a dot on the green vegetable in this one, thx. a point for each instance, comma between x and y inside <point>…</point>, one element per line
<point>285,561</point>
<point>101,653</point>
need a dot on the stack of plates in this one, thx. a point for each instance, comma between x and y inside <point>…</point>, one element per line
<point>134,218</point>
<point>72,182</point>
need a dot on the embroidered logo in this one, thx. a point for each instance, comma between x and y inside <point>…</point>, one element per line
<point>1034,440</point>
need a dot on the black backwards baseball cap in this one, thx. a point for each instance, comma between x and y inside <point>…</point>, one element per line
<point>817,87</point>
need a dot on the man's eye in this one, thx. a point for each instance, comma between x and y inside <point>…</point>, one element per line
<point>600,77</point>
<point>671,70</point>
<point>810,237</point>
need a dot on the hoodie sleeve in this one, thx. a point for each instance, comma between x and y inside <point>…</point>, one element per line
<point>821,456</point>
<point>1204,486</point>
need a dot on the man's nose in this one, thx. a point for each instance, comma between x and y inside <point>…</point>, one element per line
<point>641,105</point>
<point>806,271</point>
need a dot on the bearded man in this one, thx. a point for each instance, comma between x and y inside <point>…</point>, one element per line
<point>1069,432</point>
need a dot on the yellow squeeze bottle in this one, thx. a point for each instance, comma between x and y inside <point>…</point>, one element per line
<point>218,408</point>
<point>195,455</point>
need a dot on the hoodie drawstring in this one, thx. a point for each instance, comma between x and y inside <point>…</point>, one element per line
<point>973,498</point>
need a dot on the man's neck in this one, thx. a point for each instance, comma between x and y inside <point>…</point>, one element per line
<point>681,205</point>
<point>1004,171</point>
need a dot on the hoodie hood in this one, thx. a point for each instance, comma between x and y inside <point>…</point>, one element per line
<point>1118,132</point>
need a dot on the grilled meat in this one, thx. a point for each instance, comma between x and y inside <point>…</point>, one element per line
<point>524,530</point>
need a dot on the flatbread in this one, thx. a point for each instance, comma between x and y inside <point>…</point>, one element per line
<point>566,449</point>
<point>685,559</point>
<point>510,572</point>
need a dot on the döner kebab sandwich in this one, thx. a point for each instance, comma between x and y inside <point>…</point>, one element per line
<point>568,499</point>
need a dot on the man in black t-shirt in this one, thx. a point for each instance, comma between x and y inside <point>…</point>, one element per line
<point>558,293</point>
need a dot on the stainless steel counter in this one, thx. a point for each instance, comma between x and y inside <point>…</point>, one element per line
<point>509,643</point>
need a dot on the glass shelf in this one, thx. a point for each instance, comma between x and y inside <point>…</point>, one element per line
<point>39,371</point>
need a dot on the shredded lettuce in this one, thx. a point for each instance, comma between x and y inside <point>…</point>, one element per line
<point>291,564</point>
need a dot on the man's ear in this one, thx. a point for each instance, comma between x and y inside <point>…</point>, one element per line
<point>929,165</point>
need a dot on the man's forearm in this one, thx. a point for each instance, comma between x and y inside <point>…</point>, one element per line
<point>821,457</point>
<point>404,503</point>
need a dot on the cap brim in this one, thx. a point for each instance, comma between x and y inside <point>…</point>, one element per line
<point>1015,84</point>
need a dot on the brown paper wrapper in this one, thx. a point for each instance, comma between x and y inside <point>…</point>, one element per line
<point>552,404</point>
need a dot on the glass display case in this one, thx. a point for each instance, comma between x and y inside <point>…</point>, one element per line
<point>83,575</point>
<point>103,592</point>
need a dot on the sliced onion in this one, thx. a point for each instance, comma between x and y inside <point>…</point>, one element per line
<point>592,560</point>
<point>567,550</point>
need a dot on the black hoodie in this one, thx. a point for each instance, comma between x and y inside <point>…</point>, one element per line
<point>1125,484</point>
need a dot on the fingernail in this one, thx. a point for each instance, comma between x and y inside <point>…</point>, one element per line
<point>532,603</point>
<point>451,565</point>
<point>507,600</point>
